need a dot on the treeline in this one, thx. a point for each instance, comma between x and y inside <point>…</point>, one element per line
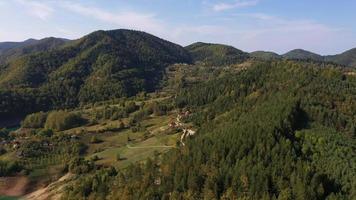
<point>55,120</point>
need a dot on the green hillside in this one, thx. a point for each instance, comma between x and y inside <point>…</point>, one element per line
<point>99,66</point>
<point>265,55</point>
<point>216,54</point>
<point>5,46</point>
<point>15,50</point>
<point>348,58</point>
<point>123,114</point>
<point>300,54</point>
<point>268,132</point>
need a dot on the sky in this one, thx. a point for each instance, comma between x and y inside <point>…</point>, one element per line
<point>322,26</point>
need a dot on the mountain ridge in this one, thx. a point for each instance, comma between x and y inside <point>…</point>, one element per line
<point>108,64</point>
<point>346,58</point>
<point>8,50</point>
<point>100,66</point>
<point>13,50</point>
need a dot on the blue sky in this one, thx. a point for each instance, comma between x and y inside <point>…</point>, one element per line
<point>322,26</point>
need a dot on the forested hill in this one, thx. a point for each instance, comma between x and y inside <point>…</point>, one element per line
<point>13,50</point>
<point>216,54</point>
<point>300,54</point>
<point>102,65</point>
<point>127,115</point>
<point>265,55</point>
<point>347,58</point>
<point>4,46</point>
<point>277,130</point>
<point>56,73</point>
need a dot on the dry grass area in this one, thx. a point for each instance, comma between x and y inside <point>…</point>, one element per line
<point>52,191</point>
<point>13,186</point>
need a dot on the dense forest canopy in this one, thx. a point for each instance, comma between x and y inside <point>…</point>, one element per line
<point>216,54</point>
<point>301,54</point>
<point>275,131</point>
<point>9,51</point>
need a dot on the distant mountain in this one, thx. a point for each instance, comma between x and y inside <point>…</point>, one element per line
<point>99,66</point>
<point>11,50</point>
<point>265,55</point>
<point>216,54</point>
<point>348,58</point>
<point>57,73</point>
<point>4,46</point>
<point>300,54</point>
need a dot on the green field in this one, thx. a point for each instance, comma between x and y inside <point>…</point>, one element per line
<point>137,149</point>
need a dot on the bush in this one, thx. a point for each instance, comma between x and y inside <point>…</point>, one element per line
<point>121,125</point>
<point>118,157</point>
<point>45,132</point>
<point>9,168</point>
<point>61,120</point>
<point>158,109</point>
<point>95,158</point>
<point>80,166</point>
<point>78,148</point>
<point>138,127</point>
<point>35,120</point>
<point>140,115</point>
<point>131,107</point>
<point>95,140</point>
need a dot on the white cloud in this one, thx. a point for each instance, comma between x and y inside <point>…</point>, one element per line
<point>37,9</point>
<point>237,4</point>
<point>127,19</point>
<point>259,31</point>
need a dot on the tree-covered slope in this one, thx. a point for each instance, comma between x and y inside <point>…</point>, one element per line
<point>4,46</point>
<point>216,54</point>
<point>265,55</point>
<point>99,66</point>
<point>17,49</point>
<point>348,58</point>
<point>279,130</point>
<point>300,54</point>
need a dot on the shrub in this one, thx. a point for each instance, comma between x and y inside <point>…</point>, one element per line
<point>61,120</point>
<point>95,158</point>
<point>9,168</point>
<point>118,157</point>
<point>140,115</point>
<point>95,140</point>
<point>45,132</point>
<point>35,120</point>
<point>80,166</point>
<point>121,125</point>
<point>131,107</point>
<point>158,109</point>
